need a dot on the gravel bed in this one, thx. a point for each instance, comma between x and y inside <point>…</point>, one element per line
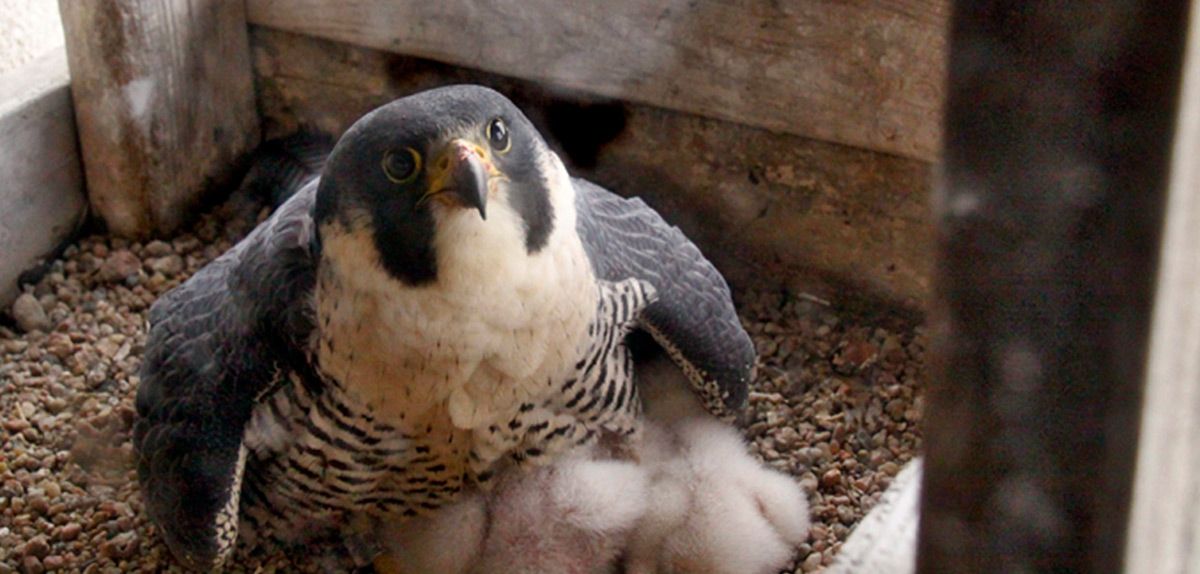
<point>837,404</point>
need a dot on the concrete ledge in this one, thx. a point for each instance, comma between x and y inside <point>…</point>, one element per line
<point>42,200</point>
<point>885,542</point>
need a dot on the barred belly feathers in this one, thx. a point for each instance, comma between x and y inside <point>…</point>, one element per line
<point>436,301</point>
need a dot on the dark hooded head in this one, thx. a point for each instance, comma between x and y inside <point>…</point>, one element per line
<point>435,159</point>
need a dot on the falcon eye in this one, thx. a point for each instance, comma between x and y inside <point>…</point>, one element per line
<point>402,166</point>
<point>497,135</point>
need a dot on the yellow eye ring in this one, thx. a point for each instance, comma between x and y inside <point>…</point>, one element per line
<point>401,166</point>
<point>498,136</point>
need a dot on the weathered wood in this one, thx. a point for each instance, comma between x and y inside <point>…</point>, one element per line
<point>164,99</point>
<point>41,192</point>
<point>772,210</point>
<point>863,73</point>
<point>1057,141</point>
<point>1164,532</point>
<point>885,542</point>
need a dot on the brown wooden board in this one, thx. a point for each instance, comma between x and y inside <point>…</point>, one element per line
<point>41,192</point>
<point>1059,124</point>
<point>164,100</point>
<point>770,209</point>
<point>866,73</point>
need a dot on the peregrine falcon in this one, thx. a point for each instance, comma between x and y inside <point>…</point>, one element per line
<point>441,300</point>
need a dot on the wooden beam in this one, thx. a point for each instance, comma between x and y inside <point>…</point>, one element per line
<point>1164,532</point>
<point>41,193</point>
<point>862,73</point>
<point>164,99</point>
<point>1057,142</point>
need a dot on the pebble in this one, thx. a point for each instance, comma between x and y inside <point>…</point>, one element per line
<point>59,345</point>
<point>158,248</point>
<point>70,531</point>
<point>32,565</point>
<point>39,504</point>
<point>37,546</point>
<point>832,427</point>
<point>836,403</point>
<point>120,546</point>
<point>812,563</point>
<point>29,315</point>
<point>169,266</point>
<point>895,408</point>
<point>857,355</point>
<point>119,266</point>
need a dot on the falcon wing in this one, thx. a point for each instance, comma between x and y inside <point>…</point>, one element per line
<point>217,343</point>
<point>693,319</point>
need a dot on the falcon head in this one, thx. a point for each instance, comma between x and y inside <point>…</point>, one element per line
<point>447,176</point>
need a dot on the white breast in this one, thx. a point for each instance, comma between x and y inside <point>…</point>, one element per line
<point>492,331</point>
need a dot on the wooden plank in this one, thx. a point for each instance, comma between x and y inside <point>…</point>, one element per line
<point>164,99</point>
<point>1049,211</point>
<point>743,194</point>
<point>885,542</point>
<point>41,194</point>
<point>1164,532</point>
<point>865,73</point>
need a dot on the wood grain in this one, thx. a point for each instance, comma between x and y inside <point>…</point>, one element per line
<point>1164,534</point>
<point>164,100</point>
<point>41,193</point>
<point>865,73</point>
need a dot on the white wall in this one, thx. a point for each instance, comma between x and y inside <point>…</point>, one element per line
<point>41,193</point>
<point>28,28</point>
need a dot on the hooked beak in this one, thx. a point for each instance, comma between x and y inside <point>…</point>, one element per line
<point>460,175</point>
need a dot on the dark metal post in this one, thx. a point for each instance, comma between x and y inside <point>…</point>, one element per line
<point>1058,130</point>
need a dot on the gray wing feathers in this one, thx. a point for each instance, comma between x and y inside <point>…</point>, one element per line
<point>694,318</point>
<point>216,343</point>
